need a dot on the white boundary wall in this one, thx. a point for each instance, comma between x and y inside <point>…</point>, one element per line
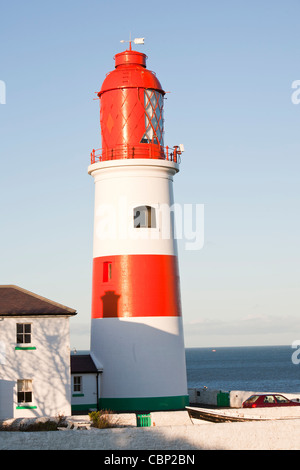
<point>200,396</point>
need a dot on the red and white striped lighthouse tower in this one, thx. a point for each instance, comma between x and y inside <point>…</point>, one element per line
<point>136,329</point>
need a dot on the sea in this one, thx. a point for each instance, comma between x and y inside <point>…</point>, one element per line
<point>251,368</point>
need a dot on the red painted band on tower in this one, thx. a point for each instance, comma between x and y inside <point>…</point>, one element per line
<point>135,286</point>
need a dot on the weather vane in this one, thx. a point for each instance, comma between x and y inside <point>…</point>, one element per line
<point>135,41</point>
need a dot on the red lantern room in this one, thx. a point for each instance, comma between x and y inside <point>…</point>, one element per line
<point>131,112</point>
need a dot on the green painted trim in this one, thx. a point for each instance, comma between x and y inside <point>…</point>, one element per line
<point>144,404</point>
<point>26,407</point>
<point>78,395</point>
<point>24,348</point>
<point>83,407</point>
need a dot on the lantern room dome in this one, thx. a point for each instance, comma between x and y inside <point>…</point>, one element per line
<point>130,57</point>
<point>130,72</point>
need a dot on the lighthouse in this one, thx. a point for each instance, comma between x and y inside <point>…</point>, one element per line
<point>136,318</point>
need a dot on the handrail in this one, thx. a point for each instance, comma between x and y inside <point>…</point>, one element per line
<point>171,154</point>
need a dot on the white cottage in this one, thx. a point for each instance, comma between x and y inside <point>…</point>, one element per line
<point>35,378</point>
<point>86,382</point>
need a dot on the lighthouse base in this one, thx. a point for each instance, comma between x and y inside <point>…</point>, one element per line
<point>143,361</point>
<point>144,404</point>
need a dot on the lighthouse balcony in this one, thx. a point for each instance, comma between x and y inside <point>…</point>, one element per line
<point>151,151</point>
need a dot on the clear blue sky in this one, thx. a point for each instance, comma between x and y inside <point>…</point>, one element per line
<point>229,67</point>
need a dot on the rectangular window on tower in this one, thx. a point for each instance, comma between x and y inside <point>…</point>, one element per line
<point>107,271</point>
<point>144,217</point>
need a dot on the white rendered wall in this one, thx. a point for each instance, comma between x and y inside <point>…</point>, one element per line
<point>153,347</point>
<point>121,185</point>
<point>48,366</point>
<point>88,395</point>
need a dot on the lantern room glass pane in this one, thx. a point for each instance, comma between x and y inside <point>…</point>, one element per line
<point>153,101</point>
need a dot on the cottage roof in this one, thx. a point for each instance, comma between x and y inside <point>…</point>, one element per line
<point>83,364</point>
<point>15,301</point>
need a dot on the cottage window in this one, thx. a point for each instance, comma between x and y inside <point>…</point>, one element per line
<point>24,391</point>
<point>23,333</point>
<point>77,383</point>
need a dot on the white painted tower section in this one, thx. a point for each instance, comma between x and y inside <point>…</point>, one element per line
<point>122,185</point>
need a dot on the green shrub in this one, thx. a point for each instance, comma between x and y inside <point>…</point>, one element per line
<point>102,419</point>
